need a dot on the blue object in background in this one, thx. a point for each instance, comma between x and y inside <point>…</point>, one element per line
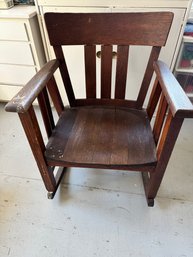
<point>188,28</point>
<point>31,2</point>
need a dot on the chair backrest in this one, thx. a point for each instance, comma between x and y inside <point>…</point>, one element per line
<point>108,29</point>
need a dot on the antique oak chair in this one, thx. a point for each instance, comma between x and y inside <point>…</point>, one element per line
<point>106,132</point>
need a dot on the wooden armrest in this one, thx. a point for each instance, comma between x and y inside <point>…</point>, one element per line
<point>24,99</point>
<point>178,101</point>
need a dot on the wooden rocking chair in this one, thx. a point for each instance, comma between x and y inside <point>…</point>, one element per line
<point>105,132</point>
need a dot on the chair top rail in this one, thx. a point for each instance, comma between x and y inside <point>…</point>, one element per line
<point>144,28</point>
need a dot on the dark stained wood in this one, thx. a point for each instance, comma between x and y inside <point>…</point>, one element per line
<point>46,111</point>
<point>172,124</point>
<point>104,138</point>
<point>106,71</point>
<point>165,148</point>
<point>106,102</point>
<point>146,179</point>
<point>23,100</point>
<point>58,178</point>
<point>55,95</point>
<point>160,117</point>
<point>121,71</point>
<point>90,71</point>
<point>109,28</point>
<point>147,76</point>
<point>154,98</point>
<point>65,75</point>
<point>178,101</point>
<point>105,133</point>
<point>31,128</point>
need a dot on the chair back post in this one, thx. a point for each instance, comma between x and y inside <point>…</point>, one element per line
<point>55,95</point>
<point>65,75</point>
<point>147,76</point>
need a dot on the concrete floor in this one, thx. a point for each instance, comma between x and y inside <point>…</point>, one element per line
<point>95,212</point>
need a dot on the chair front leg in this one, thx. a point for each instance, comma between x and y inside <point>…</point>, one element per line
<point>165,147</point>
<point>32,130</point>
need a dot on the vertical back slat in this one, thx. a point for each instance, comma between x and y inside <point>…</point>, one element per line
<point>46,111</point>
<point>147,76</point>
<point>65,75</point>
<point>90,70</point>
<point>121,71</point>
<point>106,71</point>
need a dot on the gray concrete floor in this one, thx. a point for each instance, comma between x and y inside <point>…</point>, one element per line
<point>95,212</point>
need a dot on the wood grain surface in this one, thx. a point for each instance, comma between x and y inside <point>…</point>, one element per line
<point>104,137</point>
<point>148,28</point>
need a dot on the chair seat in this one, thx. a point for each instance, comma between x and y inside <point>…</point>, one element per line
<point>103,138</point>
